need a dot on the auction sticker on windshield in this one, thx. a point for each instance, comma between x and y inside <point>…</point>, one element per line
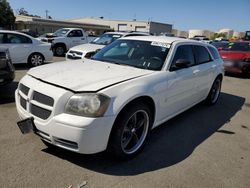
<point>160,44</point>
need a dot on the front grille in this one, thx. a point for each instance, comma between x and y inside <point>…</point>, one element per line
<point>75,52</point>
<point>73,57</point>
<point>44,99</point>
<point>36,103</point>
<point>24,89</point>
<point>23,103</point>
<point>39,112</point>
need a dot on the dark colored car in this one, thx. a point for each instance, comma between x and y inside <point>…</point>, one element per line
<point>7,71</point>
<point>220,45</point>
<point>236,57</point>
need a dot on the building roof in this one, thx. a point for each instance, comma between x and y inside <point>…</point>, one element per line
<point>28,19</point>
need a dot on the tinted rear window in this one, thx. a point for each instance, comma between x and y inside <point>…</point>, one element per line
<point>201,54</point>
<point>214,52</point>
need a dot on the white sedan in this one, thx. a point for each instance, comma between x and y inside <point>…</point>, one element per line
<point>25,49</point>
<point>113,100</point>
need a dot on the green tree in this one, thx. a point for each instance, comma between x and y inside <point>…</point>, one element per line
<point>7,18</point>
<point>217,35</point>
<point>24,12</point>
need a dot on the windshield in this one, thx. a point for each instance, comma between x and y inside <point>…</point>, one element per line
<point>238,46</point>
<point>140,54</point>
<point>106,39</point>
<point>61,32</point>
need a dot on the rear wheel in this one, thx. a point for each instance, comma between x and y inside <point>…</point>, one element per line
<point>35,60</point>
<point>130,131</point>
<point>214,93</point>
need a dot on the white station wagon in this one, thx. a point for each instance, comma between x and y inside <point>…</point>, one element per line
<point>112,101</point>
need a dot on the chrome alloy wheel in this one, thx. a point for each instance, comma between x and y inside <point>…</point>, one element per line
<point>216,90</point>
<point>36,60</point>
<point>135,132</point>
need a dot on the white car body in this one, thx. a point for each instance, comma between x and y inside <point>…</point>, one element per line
<point>172,92</point>
<point>20,52</point>
<point>80,51</point>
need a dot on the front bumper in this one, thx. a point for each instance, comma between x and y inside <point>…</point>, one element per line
<point>75,133</point>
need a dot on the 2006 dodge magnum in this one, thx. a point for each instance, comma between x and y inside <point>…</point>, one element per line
<point>113,100</point>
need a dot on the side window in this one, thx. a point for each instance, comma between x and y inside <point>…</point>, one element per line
<point>17,39</point>
<point>184,52</point>
<point>201,55</point>
<point>75,33</point>
<point>214,52</point>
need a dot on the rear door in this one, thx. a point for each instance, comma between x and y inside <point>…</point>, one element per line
<point>19,46</point>
<point>204,71</point>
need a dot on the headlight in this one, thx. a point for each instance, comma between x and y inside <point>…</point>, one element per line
<point>88,105</point>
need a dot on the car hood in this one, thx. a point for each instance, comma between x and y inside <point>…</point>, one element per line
<point>234,55</point>
<point>88,76</point>
<point>87,47</point>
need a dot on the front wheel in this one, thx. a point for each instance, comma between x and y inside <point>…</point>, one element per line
<point>214,93</point>
<point>59,50</point>
<point>130,131</point>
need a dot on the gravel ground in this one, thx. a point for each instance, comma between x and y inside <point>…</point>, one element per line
<point>203,147</point>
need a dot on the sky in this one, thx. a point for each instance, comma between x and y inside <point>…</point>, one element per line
<point>183,14</point>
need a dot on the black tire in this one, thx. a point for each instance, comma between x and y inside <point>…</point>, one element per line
<point>35,59</point>
<point>214,92</point>
<point>123,127</point>
<point>59,50</point>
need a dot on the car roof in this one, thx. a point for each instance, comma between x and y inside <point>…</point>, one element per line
<point>124,33</point>
<point>3,49</point>
<point>15,32</point>
<point>160,39</point>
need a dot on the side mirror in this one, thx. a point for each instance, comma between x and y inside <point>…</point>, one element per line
<point>182,63</point>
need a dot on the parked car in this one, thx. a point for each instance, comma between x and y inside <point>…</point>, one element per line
<point>28,32</point>
<point>113,100</point>
<point>220,45</point>
<point>25,49</point>
<point>7,71</point>
<point>88,50</point>
<point>236,58</point>
<point>65,38</point>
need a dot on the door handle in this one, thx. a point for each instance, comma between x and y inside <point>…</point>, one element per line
<point>196,71</point>
<point>26,46</point>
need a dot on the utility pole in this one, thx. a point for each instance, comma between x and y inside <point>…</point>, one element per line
<point>46,11</point>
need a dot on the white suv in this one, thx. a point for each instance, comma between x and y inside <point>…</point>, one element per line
<point>113,100</point>
<point>88,50</point>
